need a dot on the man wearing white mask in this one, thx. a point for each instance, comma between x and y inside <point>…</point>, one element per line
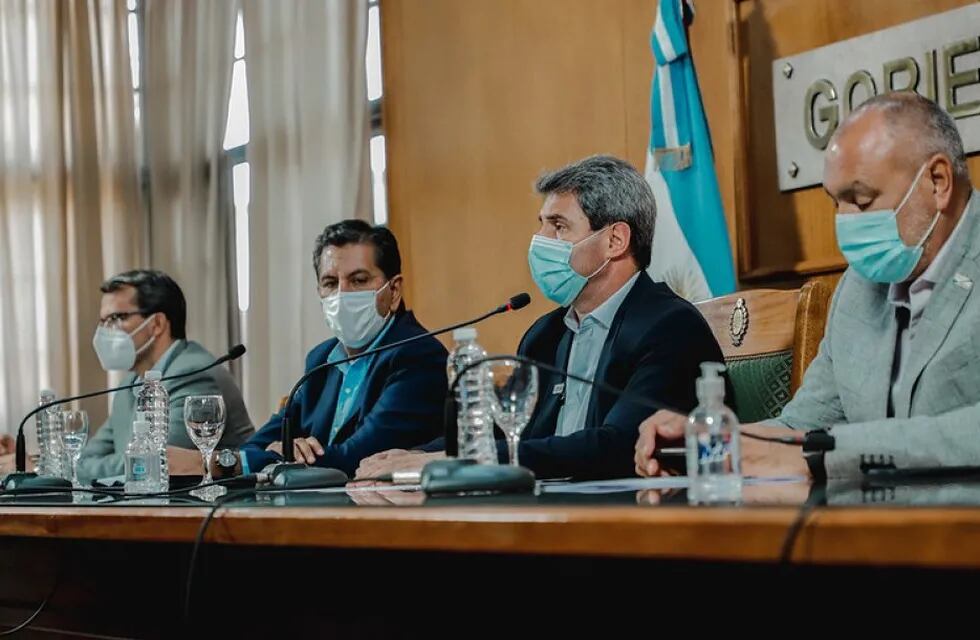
<point>895,383</point>
<point>392,399</point>
<point>141,328</point>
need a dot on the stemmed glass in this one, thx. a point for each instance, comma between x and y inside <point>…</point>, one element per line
<point>204,417</point>
<point>74,437</point>
<point>515,392</point>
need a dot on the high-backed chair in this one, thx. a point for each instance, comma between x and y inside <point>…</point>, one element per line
<point>768,338</point>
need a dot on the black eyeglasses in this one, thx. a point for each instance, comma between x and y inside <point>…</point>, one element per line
<point>113,319</point>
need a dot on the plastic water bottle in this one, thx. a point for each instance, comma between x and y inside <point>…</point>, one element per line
<point>142,459</point>
<point>53,460</point>
<point>712,442</point>
<point>475,424</point>
<point>153,402</point>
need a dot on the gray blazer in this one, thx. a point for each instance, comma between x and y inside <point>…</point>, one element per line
<point>104,455</point>
<point>937,407</point>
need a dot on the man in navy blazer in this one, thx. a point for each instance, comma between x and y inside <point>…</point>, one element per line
<point>613,324</point>
<point>392,399</point>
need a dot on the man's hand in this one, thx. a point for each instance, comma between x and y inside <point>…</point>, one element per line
<point>661,426</point>
<point>7,464</point>
<point>304,449</point>
<point>184,462</point>
<point>759,458</point>
<point>394,460</point>
<point>7,444</point>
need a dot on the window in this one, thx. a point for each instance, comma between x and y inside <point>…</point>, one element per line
<point>375,93</point>
<point>236,139</point>
<point>134,23</point>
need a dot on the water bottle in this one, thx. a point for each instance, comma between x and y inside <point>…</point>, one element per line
<point>53,459</point>
<point>712,443</point>
<point>475,424</point>
<point>142,459</point>
<point>153,402</point>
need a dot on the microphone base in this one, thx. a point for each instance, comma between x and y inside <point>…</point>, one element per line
<point>454,476</point>
<point>295,475</point>
<point>31,481</point>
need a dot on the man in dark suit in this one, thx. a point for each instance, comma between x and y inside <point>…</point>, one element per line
<point>391,399</point>
<point>614,324</point>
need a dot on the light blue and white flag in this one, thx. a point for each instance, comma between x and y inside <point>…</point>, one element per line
<point>691,251</point>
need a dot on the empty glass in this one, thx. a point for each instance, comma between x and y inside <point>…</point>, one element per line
<point>74,437</point>
<point>515,392</point>
<point>204,417</point>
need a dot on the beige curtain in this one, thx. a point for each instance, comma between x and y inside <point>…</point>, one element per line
<point>188,61</point>
<point>70,212</point>
<point>309,167</point>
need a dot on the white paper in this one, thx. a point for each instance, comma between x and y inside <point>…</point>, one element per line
<point>641,484</point>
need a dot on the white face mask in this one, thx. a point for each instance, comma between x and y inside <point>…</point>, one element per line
<point>353,316</point>
<point>116,349</point>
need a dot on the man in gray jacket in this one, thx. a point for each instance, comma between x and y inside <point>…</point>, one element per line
<point>141,328</point>
<point>896,383</point>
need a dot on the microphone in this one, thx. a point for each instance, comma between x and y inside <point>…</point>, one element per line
<point>234,353</point>
<point>286,473</point>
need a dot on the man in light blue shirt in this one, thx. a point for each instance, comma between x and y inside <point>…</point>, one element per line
<point>590,336</point>
<point>392,399</point>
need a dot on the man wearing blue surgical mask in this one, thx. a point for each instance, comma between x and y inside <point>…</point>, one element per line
<point>383,401</point>
<point>895,383</point>
<point>613,324</point>
<point>142,327</point>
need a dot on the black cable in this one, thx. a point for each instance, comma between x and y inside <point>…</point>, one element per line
<point>44,603</point>
<point>799,523</point>
<point>199,540</point>
<point>23,625</point>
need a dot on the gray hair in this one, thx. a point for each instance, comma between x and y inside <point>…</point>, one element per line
<point>934,129</point>
<point>609,190</point>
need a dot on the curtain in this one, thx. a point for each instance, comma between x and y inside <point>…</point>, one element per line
<point>188,62</point>
<point>70,210</point>
<point>308,156</point>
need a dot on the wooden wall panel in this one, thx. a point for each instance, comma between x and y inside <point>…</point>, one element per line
<point>480,98</point>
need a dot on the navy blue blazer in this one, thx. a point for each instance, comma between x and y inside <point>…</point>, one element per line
<point>400,403</point>
<point>654,349</point>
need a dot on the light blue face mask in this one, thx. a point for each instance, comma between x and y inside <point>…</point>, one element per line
<point>872,246</point>
<point>550,262</point>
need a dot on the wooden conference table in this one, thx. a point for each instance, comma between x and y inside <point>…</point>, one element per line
<point>395,564</point>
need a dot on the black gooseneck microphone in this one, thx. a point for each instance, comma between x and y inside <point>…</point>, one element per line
<point>298,475</point>
<point>234,353</point>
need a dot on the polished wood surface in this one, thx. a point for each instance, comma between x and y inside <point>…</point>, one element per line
<point>940,537</point>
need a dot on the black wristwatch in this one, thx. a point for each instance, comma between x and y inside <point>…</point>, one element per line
<point>227,460</point>
<point>816,443</point>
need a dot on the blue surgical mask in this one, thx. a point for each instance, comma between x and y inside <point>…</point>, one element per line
<point>872,245</point>
<point>550,262</point>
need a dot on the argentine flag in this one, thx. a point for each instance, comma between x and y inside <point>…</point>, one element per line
<point>691,252</point>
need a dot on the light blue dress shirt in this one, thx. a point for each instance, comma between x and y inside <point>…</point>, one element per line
<point>353,374</point>
<point>590,336</point>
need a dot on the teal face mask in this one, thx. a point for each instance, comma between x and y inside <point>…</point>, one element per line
<point>550,262</point>
<point>872,246</point>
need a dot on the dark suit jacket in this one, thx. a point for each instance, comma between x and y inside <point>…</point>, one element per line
<point>400,402</point>
<point>655,346</point>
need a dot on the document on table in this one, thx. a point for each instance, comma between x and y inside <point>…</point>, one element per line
<point>641,484</point>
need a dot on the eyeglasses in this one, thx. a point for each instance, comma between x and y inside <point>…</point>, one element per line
<point>113,320</point>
